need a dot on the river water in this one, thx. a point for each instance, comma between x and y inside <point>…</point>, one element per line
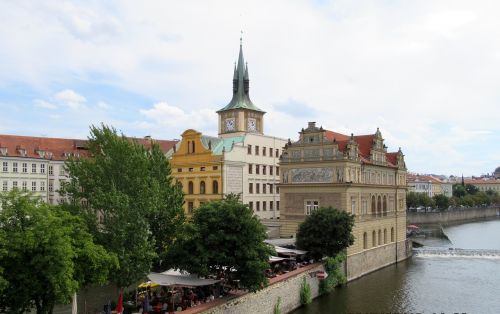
<point>427,284</point>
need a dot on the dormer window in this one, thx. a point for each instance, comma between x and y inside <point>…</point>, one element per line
<point>3,151</point>
<point>67,154</point>
<point>41,153</point>
<point>48,155</point>
<point>21,151</point>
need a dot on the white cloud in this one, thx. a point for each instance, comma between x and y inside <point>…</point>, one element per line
<point>171,121</point>
<point>44,104</point>
<point>70,98</point>
<point>103,105</point>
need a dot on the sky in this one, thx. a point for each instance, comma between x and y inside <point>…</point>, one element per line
<point>427,73</point>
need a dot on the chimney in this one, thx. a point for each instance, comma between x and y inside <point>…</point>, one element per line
<point>311,125</point>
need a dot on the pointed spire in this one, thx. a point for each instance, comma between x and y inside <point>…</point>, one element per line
<point>241,85</point>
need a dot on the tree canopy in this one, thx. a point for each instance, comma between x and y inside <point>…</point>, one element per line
<point>132,204</point>
<point>224,237</point>
<point>49,255</point>
<point>326,232</point>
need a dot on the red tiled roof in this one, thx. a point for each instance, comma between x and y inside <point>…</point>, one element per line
<point>330,135</point>
<point>481,181</point>
<point>422,178</point>
<point>365,143</point>
<point>60,148</point>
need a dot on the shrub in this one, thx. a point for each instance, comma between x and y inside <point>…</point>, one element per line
<point>305,293</point>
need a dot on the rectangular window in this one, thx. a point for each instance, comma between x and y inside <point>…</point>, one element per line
<point>179,169</point>
<point>257,188</point>
<point>5,166</point>
<point>25,167</point>
<point>61,171</point>
<point>263,151</point>
<point>270,152</point>
<point>14,184</point>
<point>258,206</point>
<point>256,150</point>
<point>271,189</point>
<point>264,207</point>
<point>277,190</point>
<point>25,186</point>
<point>249,149</point>
<point>250,188</point>
<point>353,206</point>
<point>51,186</point>
<point>190,169</point>
<point>277,153</point>
<point>33,168</point>
<point>264,170</point>
<point>249,168</point>
<point>42,168</point>
<point>257,169</point>
<point>270,170</point>
<point>42,186</point>
<point>263,188</point>
<point>190,207</point>
<point>202,168</point>
<point>5,186</point>
<point>51,170</point>
<point>310,206</point>
<point>215,167</point>
<point>271,207</point>
<point>250,205</point>
<point>277,205</point>
<point>277,170</point>
<point>14,167</point>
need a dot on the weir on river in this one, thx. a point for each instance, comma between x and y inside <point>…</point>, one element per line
<point>455,252</point>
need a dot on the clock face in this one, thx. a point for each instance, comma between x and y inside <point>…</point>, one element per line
<point>230,124</point>
<point>252,125</point>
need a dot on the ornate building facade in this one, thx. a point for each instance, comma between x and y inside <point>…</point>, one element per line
<point>354,174</point>
<point>247,160</point>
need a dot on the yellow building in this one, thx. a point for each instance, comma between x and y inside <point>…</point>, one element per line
<point>354,174</point>
<point>198,167</point>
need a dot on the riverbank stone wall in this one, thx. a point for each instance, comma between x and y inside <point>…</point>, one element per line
<point>263,301</point>
<point>451,216</point>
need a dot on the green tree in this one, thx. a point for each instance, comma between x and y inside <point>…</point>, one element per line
<point>412,200</point>
<point>134,207</point>
<point>326,232</point>
<point>442,202</point>
<point>224,236</point>
<point>471,189</point>
<point>458,190</point>
<point>48,256</point>
<point>336,277</point>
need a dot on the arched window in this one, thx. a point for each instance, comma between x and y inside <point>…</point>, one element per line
<point>379,237</point>
<point>374,209</point>
<point>392,234</point>
<point>374,238</point>
<point>384,207</point>
<point>202,187</point>
<point>379,205</point>
<point>385,236</point>
<point>365,241</point>
<point>190,187</point>
<point>215,187</point>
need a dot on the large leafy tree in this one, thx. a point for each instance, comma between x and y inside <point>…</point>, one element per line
<point>49,255</point>
<point>326,232</point>
<point>224,236</point>
<point>132,203</point>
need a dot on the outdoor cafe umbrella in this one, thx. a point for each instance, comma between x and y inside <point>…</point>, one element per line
<point>119,306</point>
<point>412,227</point>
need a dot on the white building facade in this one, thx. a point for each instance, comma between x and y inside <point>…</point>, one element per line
<point>36,164</point>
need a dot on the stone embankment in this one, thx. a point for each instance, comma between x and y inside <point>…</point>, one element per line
<point>468,214</point>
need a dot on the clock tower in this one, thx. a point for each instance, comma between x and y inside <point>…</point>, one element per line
<point>240,115</point>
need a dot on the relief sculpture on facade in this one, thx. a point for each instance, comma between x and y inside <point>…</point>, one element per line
<point>311,175</point>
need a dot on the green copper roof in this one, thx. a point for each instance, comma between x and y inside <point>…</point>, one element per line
<point>241,86</point>
<point>219,145</point>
